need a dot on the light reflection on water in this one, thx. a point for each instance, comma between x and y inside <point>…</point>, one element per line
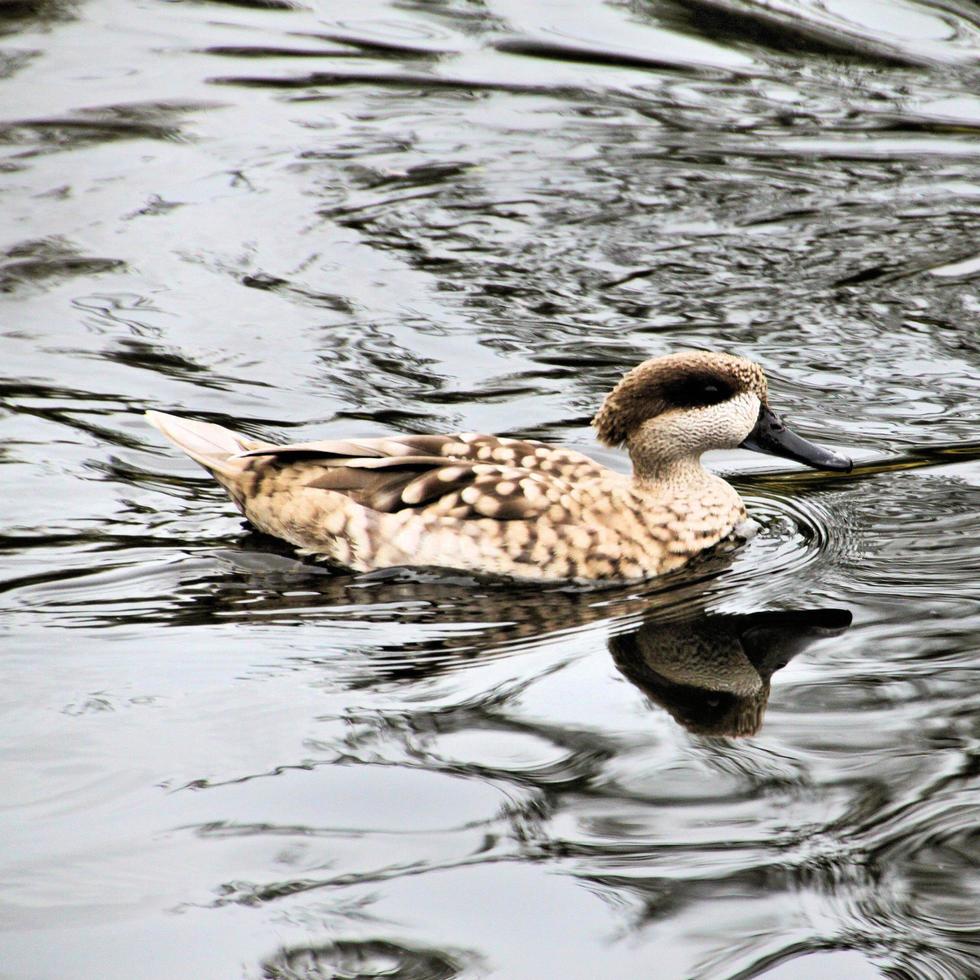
<point>416,216</point>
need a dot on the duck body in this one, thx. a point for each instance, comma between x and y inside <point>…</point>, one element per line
<point>509,507</point>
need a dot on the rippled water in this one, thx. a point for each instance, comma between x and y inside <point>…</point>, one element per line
<point>326,218</point>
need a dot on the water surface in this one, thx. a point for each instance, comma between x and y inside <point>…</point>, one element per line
<point>323,219</point>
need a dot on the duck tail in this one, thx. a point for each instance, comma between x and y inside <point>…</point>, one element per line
<point>213,446</point>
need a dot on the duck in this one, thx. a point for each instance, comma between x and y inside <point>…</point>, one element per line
<point>518,508</point>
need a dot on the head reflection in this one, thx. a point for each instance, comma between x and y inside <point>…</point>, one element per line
<point>711,671</point>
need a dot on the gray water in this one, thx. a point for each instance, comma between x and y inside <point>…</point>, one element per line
<point>334,218</point>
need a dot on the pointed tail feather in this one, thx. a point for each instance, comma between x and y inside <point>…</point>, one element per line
<point>213,446</point>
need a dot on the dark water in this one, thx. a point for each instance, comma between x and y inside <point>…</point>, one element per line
<point>334,218</point>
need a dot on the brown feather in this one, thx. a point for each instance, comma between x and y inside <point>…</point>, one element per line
<point>455,475</point>
<point>338,447</point>
<point>434,487</point>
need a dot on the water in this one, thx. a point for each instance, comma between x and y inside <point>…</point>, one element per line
<point>331,219</point>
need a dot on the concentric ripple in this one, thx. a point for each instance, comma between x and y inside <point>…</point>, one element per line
<point>360,960</point>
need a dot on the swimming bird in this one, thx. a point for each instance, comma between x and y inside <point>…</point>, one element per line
<point>518,507</point>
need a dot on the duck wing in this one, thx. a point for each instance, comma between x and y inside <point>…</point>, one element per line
<point>461,476</point>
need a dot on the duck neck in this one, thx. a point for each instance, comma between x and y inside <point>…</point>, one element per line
<point>679,471</point>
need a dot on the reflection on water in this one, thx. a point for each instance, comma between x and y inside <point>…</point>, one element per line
<point>711,672</point>
<point>445,216</point>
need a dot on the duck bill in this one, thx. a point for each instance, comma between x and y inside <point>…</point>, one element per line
<point>770,435</point>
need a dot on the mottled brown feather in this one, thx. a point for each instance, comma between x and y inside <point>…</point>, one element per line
<point>458,477</point>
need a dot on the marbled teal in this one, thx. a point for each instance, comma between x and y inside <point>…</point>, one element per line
<point>518,507</point>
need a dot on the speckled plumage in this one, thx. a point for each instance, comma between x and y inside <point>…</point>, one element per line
<point>510,507</point>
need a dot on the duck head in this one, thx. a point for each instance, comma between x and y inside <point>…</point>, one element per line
<point>671,409</point>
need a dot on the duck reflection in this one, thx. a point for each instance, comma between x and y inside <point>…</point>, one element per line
<point>711,671</point>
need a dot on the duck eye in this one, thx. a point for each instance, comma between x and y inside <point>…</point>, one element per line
<point>697,392</point>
